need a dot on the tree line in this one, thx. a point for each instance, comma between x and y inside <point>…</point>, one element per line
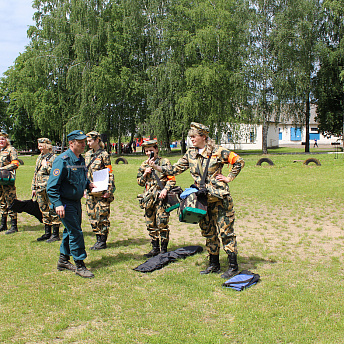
<point>150,67</point>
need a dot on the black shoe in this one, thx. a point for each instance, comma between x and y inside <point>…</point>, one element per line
<point>233,268</point>
<point>56,234</point>
<point>64,263</point>
<point>3,225</point>
<point>81,269</point>
<point>155,250</point>
<point>214,265</point>
<point>47,233</point>
<point>13,228</point>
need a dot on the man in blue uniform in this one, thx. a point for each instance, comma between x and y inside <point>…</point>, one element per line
<point>65,188</point>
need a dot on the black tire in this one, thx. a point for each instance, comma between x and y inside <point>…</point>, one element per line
<point>269,161</point>
<point>118,160</point>
<point>21,162</point>
<point>316,161</point>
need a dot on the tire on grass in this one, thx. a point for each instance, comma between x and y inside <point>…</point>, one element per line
<point>118,160</point>
<point>316,161</point>
<point>267,160</point>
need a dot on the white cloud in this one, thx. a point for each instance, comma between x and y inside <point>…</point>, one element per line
<point>15,19</point>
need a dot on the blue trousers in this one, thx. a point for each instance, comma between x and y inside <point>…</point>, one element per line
<point>73,243</point>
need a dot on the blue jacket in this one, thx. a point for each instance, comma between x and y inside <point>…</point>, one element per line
<point>68,179</point>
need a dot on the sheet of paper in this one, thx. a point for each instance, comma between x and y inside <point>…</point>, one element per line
<point>101,180</point>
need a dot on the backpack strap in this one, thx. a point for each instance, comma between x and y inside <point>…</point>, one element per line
<point>205,173</point>
<point>94,158</point>
<point>161,186</point>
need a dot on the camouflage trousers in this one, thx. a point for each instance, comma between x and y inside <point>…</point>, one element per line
<point>157,221</point>
<point>7,196</point>
<point>219,220</point>
<point>98,211</point>
<point>48,214</point>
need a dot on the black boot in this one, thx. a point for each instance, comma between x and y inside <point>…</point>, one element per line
<point>13,228</point>
<point>95,246</point>
<point>232,266</point>
<point>56,234</point>
<point>64,263</point>
<point>102,242</point>
<point>3,225</point>
<point>81,269</point>
<point>164,245</point>
<point>47,233</point>
<point>214,265</point>
<point>155,250</point>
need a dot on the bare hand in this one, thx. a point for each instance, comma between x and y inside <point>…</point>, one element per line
<point>33,194</point>
<point>148,170</point>
<point>92,186</point>
<point>106,195</point>
<point>222,178</point>
<point>60,211</point>
<point>163,194</point>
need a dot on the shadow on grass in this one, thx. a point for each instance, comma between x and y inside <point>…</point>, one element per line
<point>113,260</point>
<point>128,242</point>
<point>247,263</point>
<point>30,228</point>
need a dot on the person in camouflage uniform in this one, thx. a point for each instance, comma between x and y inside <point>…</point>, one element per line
<point>220,214</point>
<point>8,161</point>
<point>40,178</point>
<point>152,200</point>
<point>98,204</point>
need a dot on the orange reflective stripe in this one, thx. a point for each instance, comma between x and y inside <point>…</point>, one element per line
<point>15,162</point>
<point>233,157</point>
<point>109,167</point>
<point>171,178</point>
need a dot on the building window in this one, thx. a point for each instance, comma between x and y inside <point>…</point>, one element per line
<point>315,130</point>
<point>295,134</point>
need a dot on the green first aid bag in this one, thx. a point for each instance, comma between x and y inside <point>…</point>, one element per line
<point>192,209</point>
<point>7,177</point>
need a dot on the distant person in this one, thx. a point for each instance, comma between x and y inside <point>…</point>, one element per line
<point>153,198</point>
<point>98,205</point>
<point>219,220</point>
<point>65,188</point>
<point>8,164</point>
<point>315,143</point>
<point>40,178</point>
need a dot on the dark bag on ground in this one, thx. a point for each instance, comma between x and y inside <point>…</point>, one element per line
<point>7,177</point>
<point>242,280</point>
<point>193,208</point>
<point>29,206</point>
<point>173,199</point>
<point>163,259</point>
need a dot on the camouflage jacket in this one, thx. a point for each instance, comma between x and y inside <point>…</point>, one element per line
<point>149,181</point>
<point>195,161</point>
<point>102,160</point>
<point>8,158</point>
<point>44,164</point>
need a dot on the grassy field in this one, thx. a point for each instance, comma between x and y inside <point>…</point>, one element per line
<point>290,230</point>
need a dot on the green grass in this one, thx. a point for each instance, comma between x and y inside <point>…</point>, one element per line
<point>289,227</point>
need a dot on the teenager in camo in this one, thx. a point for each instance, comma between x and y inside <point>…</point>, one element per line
<point>220,214</point>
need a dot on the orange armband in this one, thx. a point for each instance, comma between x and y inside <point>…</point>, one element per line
<point>15,162</point>
<point>109,167</point>
<point>233,157</point>
<point>173,178</point>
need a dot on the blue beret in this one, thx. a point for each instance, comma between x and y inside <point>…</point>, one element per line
<point>76,135</point>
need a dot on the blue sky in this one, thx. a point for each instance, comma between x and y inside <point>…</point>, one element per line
<point>15,18</point>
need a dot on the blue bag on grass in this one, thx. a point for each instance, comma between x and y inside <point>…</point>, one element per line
<point>242,280</point>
